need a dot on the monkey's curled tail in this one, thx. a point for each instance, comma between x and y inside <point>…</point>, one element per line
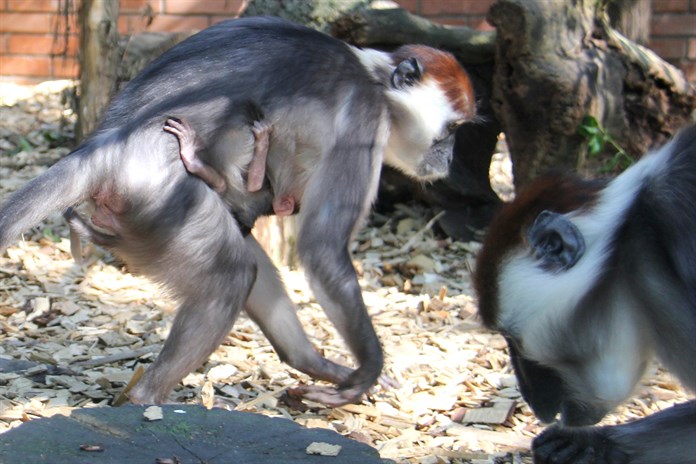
<point>66,183</point>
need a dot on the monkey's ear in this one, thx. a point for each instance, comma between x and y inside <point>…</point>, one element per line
<point>555,241</point>
<point>407,73</point>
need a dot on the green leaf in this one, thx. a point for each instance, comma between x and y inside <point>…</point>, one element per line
<point>595,145</point>
<point>24,145</point>
<point>49,234</point>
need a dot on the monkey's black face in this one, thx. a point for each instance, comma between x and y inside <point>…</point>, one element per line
<point>546,393</point>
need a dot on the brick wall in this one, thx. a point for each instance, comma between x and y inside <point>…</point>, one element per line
<point>32,51</point>
<point>673,33</point>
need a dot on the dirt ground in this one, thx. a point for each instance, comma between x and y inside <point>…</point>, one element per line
<point>72,336</point>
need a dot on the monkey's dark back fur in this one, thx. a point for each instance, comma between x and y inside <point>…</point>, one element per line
<point>282,60</point>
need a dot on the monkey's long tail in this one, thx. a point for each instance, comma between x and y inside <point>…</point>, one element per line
<point>66,183</point>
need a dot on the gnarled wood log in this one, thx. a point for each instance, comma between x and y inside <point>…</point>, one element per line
<point>391,27</point>
<point>98,61</point>
<point>557,62</point>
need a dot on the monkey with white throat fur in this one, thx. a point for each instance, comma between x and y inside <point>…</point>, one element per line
<point>587,280</point>
<point>337,113</point>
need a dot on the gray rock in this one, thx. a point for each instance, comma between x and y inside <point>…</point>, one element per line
<point>122,435</point>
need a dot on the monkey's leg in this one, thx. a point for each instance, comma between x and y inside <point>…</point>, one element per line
<point>79,227</point>
<point>257,167</point>
<point>202,257</point>
<point>272,309</point>
<point>336,199</point>
<point>190,145</point>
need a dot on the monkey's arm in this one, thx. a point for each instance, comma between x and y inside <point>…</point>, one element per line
<point>666,436</point>
<point>189,146</point>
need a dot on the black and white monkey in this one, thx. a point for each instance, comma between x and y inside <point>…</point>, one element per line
<point>337,112</point>
<point>587,280</point>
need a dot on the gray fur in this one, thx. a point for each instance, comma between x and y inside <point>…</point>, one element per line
<point>330,121</point>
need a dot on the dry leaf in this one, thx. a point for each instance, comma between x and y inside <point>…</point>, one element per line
<point>323,449</point>
<point>208,395</point>
<point>153,413</point>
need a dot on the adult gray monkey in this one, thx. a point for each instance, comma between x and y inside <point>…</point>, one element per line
<point>337,113</point>
<point>587,280</point>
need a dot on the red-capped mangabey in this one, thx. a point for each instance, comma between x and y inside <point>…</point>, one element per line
<point>587,281</point>
<point>336,111</point>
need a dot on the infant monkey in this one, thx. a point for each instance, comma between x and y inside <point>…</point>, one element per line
<point>191,145</point>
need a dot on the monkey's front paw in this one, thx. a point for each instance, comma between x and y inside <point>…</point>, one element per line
<point>326,395</point>
<point>583,445</point>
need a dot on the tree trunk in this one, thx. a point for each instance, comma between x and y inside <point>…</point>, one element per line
<point>317,14</point>
<point>631,18</point>
<point>98,61</point>
<point>557,62</point>
<point>391,27</point>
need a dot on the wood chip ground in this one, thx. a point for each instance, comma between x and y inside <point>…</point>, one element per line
<point>72,336</point>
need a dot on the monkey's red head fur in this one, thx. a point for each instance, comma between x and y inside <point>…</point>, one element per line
<point>430,96</point>
<point>443,68</point>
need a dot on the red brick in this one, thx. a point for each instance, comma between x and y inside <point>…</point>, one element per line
<point>451,20</point>
<point>26,22</point>
<point>132,23</point>
<point>64,67</point>
<point>138,6</point>
<point>668,48</point>
<point>690,70</point>
<point>475,22</point>
<point>45,6</point>
<point>691,49</point>
<point>29,44</point>
<point>232,7</point>
<point>673,24</point>
<point>175,23</point>
<point>464,7</point>
<point>413,6</point>
<point>674,6</point>
<point>25,66</point>
<point>71,48</point>
<point>34,44</point>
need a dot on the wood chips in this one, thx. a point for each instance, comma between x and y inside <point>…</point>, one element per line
<point>72,336</point>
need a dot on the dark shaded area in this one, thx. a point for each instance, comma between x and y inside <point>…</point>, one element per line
<point>196,435</point>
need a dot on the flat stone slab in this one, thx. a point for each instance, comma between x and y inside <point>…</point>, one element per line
<point>185,434</point>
